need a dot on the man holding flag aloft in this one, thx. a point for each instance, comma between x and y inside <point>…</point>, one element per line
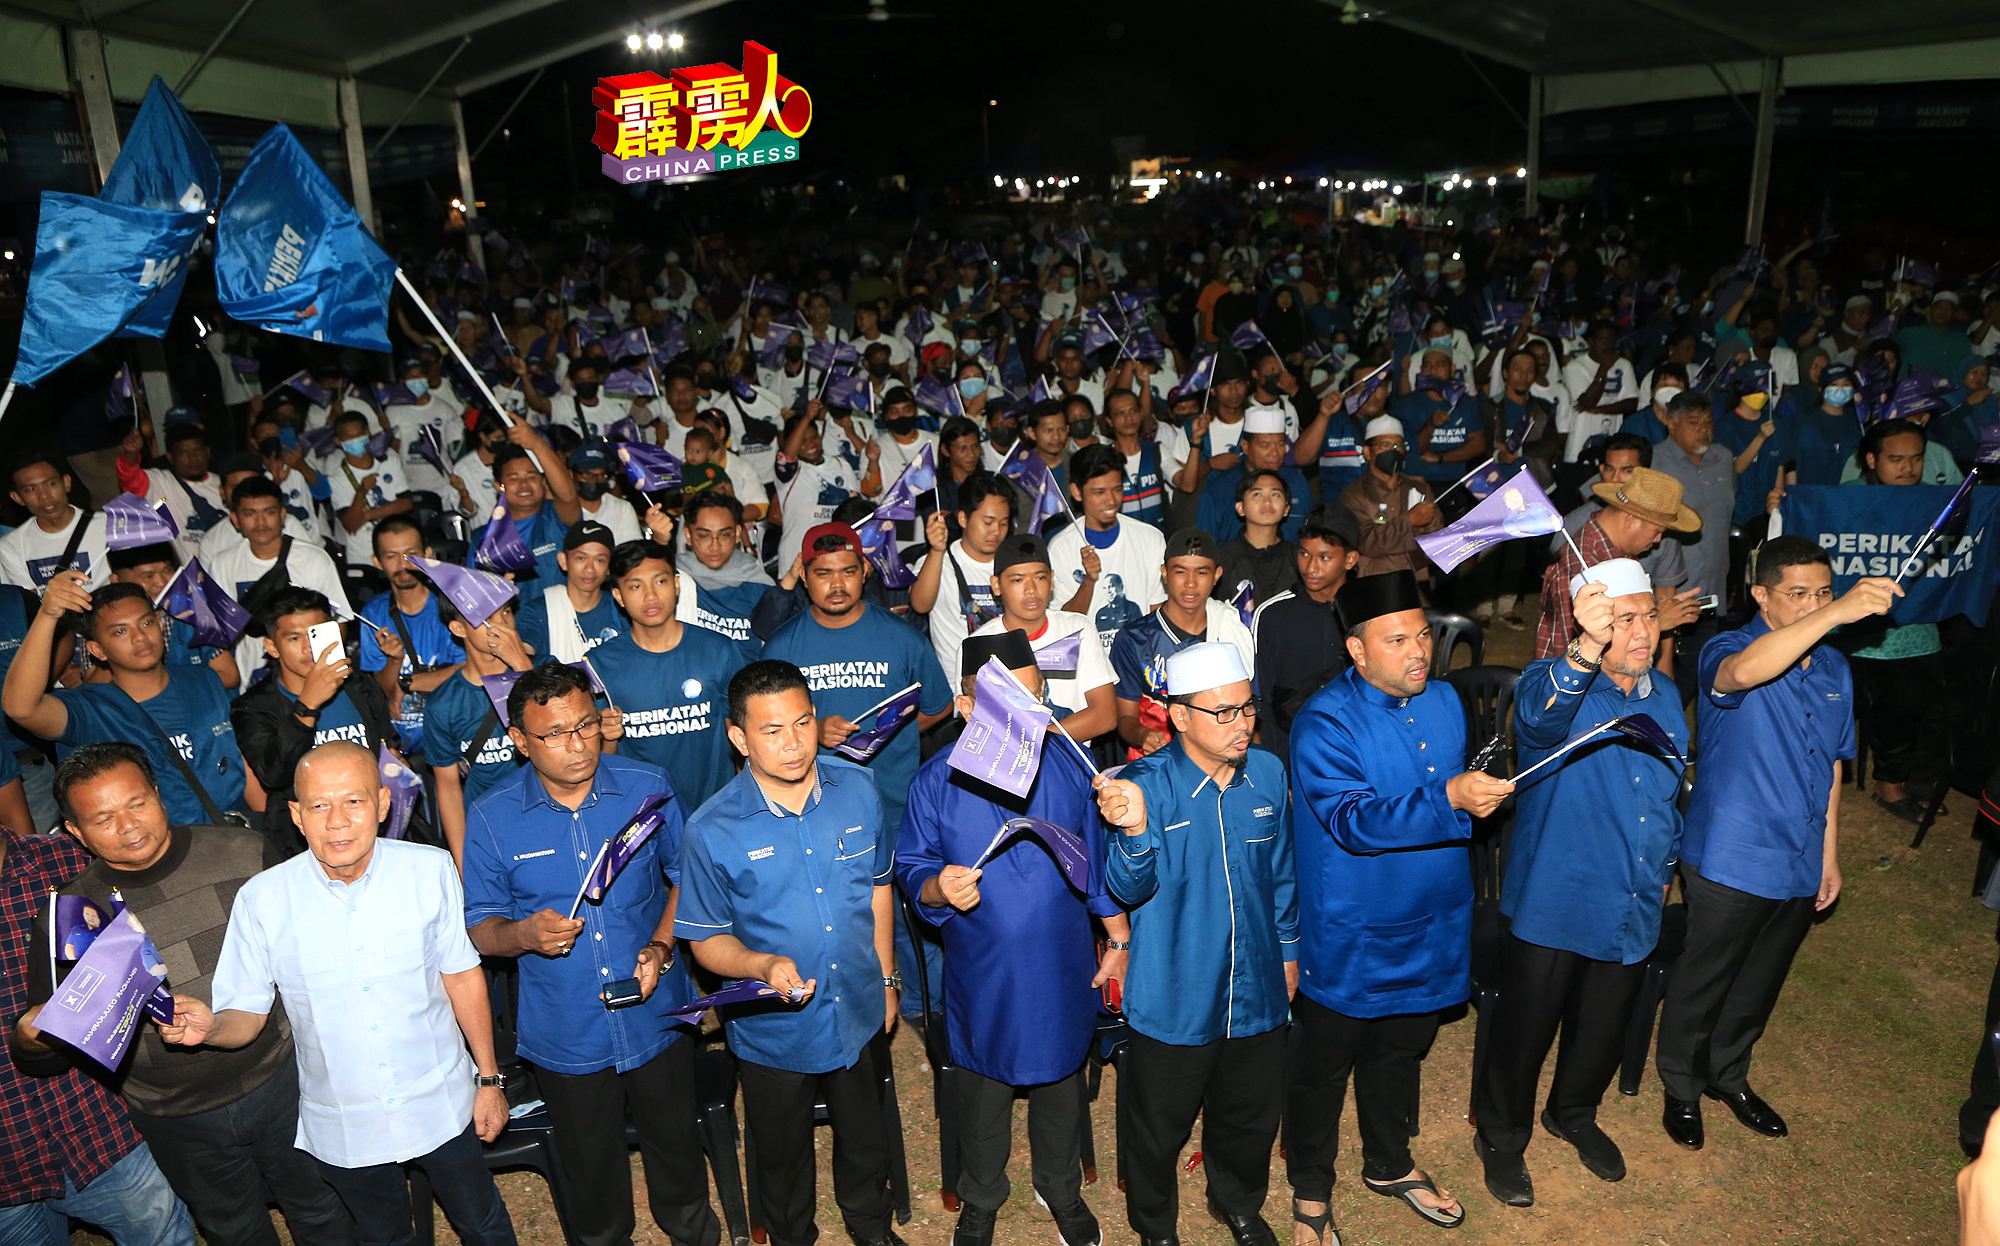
<point>1021,972</point>
<point>1594,844</point>
<point>601,1056</point>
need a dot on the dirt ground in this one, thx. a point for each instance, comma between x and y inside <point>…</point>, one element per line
<point>1867,1057</point>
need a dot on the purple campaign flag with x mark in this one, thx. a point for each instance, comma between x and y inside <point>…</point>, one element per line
<point>888,718</point>
<point>501,548</point>
<point>1061,656</point>
<point>497,688</point>
<point>651,469</point>
<point>1517,509</point>
<point>129,523</point>
<point>1002,742</point>
<point>205,606</point>
<point>1025,468</point>
<point>405,790</point>
<point>1063,844</point>
<point>96,1008</point>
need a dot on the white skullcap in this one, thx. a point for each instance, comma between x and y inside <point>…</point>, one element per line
<point>1382,426</point>
<point>1859,300</point>
<point>1197,668</point>
<point>1196,257</point>
<point>1945,296</point>
<point>671,257</point>
<point>466,315</point>
<point>1263,420</point>
<point>1621,577</point>
<point>1429,256</point>
<point>525,304</point>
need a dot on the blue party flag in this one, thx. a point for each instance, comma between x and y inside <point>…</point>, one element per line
<point>129,522</point>
<point>1043,390</point>
<point>649,468</point>
<point>625,429</point>
<point>1517,509</point>
<point>1248,336</point>
<point>501,548</point>
<point>1637,726</point>
<point>673,344</point>
<point>619,850</point>
<point>121,401</point>
<point>769,291</point>
<point>1245,600</point>
<point>899,501</point>
<point>1061,656</point>
<point>204,606</point>
<point>631,344</point>
<point>1074,241</point>
<point>96,1007</point>
<point>1064,845</point>
<point>1360,390</point>
<point>1025,467</point>
<point>1199,378</point>
<point>1446,387</point>
<point>918,326</point>
<point>744,990</point>
<point>878,545</point>
<point>292,257</point>
<point>883,720</point>
<point>1096,333</point>
<point>824,353</point>
<point>429,446</point>
<point>938,397</point>
<point>392,394</point>
<point>302,384</point>
<point>850,391</point>
<point>406,788</point>
<point>167,166</point>
<point>475,594</point>
<point>1002,742</point>
<point>630,383</point>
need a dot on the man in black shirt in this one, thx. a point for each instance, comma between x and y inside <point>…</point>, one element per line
<point>1260,554</point>
<point>1299,632</point>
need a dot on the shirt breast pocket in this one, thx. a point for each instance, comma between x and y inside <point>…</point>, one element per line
<point>1396,956</point>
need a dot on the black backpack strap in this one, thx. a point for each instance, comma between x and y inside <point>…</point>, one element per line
<point>74,543</point>
<point>409,646</point>
<point>208,805</point>
<point>271,582</point>
<point>479,737</point>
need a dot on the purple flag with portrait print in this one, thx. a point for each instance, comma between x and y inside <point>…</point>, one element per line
<point>1445,387</point>
<point>878,545</point>
<point>1025,468</point>
<point>1002,742</point>
<point>406,788</point>
<point>98,1005</point>
<point>501,548</point>
<point>899,501</point>
<point>475,594</point>
<point>625,429</point>
<point>205,606</point>
<point>1097,333</point>
<point>1248,336</point>
<point>429,446</point>
<point>630,383</point>
<point>938,398</point>
<point>1516,509</point>
<point>850,391</point>
<point>631,344</point>
<point>392,394</point>
<point>1365,386</point>
<point>1199,378</point>
<point>129,523</point>
<point>824,354</point>
<point>650,468</point>
<point>882,721</point>
<point>917,326</point>
<point>1063,844</point>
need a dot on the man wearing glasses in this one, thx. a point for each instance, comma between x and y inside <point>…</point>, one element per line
<point>1204,868</point>
<point>529,844</point>
<point>1758,858</point>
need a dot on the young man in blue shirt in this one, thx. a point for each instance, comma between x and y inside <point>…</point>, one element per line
<point>180,716</point>
<point>1760,854</point>
<point>465,742</point>
<point>540,496</point>
<point>668,680</point>
<point>573,615</point>
<point>530,843</point>
<point>786,878</point>
<point>406,673</point>
<point>728,582</point>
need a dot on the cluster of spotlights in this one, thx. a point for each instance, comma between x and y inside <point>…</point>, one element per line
<point>653,41</point>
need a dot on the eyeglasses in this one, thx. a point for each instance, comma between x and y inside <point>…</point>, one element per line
<point>1226,714</point>
<point>588,729</point>
<point>1798,596</point>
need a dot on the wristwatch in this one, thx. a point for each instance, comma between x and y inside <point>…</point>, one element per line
<point>667,948</point>
<point>1575,654</point>
<point>301,710</point>
<point>498,1079</point>
<point>893,982</point>
<point>1114,945</point>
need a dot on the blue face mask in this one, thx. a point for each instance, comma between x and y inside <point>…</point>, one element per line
<point>1332,297</point>
<point>1444,341</point>
<point>1375,289</point>
<point>418,387</point>
<point>1839,395</point>
<point>1068,283</point>
<point>1454,283</point>
<point>1341,349</point>
<point>971,387</point>
<point>1295,271</point>
<point>969,346</point>
<point>355,446</point>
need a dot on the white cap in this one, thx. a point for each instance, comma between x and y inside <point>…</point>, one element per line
<point>1429,256</point>
<point>466,315</point>
<point>671,257</point>
<point>866,257</point>
<point>1945,296</point>
<point>1211,664</point>
<point>1263,420</point>
<point>1664,392</point>
<point>528,304</point>
<point>1382,426</point>
<point>1196,257</point>
<point>1621,577</point>
<point>1859,300</point>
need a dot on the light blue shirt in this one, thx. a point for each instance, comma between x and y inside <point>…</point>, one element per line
<point>383,1072</point>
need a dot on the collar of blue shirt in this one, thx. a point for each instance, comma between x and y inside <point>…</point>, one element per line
<point>1375,696</point>
<point>1191,778</point>
<point>534,792</point>
<point>746,796</point>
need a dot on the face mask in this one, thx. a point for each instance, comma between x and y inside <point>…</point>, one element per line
<point>418,388</point>
<point>1444,341</point>
<point>591,490</point>
<point>1002,435</point>
<point>901,424</point>
<point>1375,289</point>
<point>971,387</point>
<point>1756,401</point>
<point>1665,394</point>
<point>1236,287</point>
<point>1454,283</point>
<point>1342,349</point>
<point>355,446</point>
<point>878,370</point>
<point>1389,462</point>
<point>1080,429</point>
<point>794,353</point>
<point>1142,244</point>
<point>1840,395</point>
<point>1067,283</point>
<point>970,346</point>
<point>1708,307</point>
<point>587,390</point>
<point>1269,384</point>
<point>1332,297</point>
<point>1430,274</point>
<point>1294,271</point>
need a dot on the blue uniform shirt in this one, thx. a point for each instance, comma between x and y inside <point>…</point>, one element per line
<point>180,649</point>
<point>192,711</point>
<point>1757,820</point>
<point>542,533</point>
<point>1210,887</point>
<point>851,668</point>
<point>1594,834</point>
<point>1415,410</point>
<point>1384,878</point>
<point>726,611</point>
<point>1019,965</point>
<point>675,705</point>
<point>598,624</point>
<point>1821,444</point>
<point>452,715</point>
<point>1216,513</point>
<point>436,646</point>
<point>525,853</point>
<point>802,886</point>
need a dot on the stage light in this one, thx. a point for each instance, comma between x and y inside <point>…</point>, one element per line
<point>634,42</point>
<point>655,41</point>
<point>675,42</point>
<point>1522,172</point>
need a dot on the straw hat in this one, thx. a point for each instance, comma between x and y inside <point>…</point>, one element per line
<point>1653,496</point>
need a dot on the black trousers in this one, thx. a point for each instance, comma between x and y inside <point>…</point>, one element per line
<point>589,1111</point>
<point>1383,1054</point>
<point>986,1137</point>
<point>1542,989</point>
<point>778,1112</point>
<point>1723,987</point>
<point>1904,698</point>
<point>1236,1086</point>
<point>1984,1098</point>
<point>229,1163</point>
<point>378,1196</point>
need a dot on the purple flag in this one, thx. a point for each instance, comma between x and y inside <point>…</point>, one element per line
<point>1063,844</point>
<point>1245,600</point>
<point>649,468</point>
<point>1481,483</point>
<point>1752,263</point>
<point>742,388</point>
<point>772,353</point>
<point>939,398</point>
<point>1365,386</point>
<point>1989,444</point>
<point>502,348</point>
<point>1199,378</point>
<point>1638,726</point>
<point>1445,387</point>
<point>429,446</point>
<point>378,445</point>
<point>888,718</point>
<point>392,394</point>
<point>878,545</point>
<point>673,344</point>
<point>405,790</point>
<point>244,365</point>
<point>769,291</point>
<point>471,273</point>
<point>1002,743</point>
<point>590,672</point>
<point>823,353</point>
<point>129,523</point>
<point>75,922</point>
<point>625,429</point>
<point>1916,272</point>
<point>498,687</point>
<point>1073,240</point>
<point>1951,508</point>
<point>501,548</point>
<point>473,593</point>
<point>1061,656</point>
<point>917,326</point>
<point>96,1008</point>
<point>1143,343</point>
<point>1025,468</point>
<point>205,606</point>
<point>630,383</point>
<point>619,850</point>
<point>1248,336</point>
<point>741,991</point>
<point>301,383</point>
<point>319,441</point>
<point>899,501</point>
<point>1043,390</point>
<point>631,344</point>
<point>1517,509</point>
<point>1096,333</point>
<point>850,391</point>
<point>1920,393</point>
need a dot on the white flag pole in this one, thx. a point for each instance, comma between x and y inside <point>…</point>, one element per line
<point>451,344</point>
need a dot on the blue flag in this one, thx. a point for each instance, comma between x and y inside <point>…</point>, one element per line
<point>850,391</point>
<point>1025,468</point>
<point>205,606</point>
<point>631,344</point>
<point>938,397</point>
<point>1874,530</point>
<point>1248,336</point>
<point>899,501</point>
<point>878,545</point>
<point>292,257</point>
<point>1199,378</point>
<point>97,265</point>
<point>166,166</point>
<point>1518,509</point>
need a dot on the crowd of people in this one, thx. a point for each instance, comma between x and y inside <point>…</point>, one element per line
<point>1163,479</point>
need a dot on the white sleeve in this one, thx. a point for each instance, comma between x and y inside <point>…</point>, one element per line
<point>243,981</point>
<point>1093,669</point>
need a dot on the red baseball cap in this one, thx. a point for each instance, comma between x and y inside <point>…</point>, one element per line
<point>841,532</point>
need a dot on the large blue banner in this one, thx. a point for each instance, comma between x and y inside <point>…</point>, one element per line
<point>1872,530</point>
<point>291,256</point>
<point>168,166</point>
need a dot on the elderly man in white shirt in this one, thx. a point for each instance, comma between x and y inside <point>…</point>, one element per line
<point>365,940</point>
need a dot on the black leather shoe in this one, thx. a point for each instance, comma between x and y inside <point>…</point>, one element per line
<point>1506,1175</point>
<point>975,1226</point>
<point>1159,1241</point>
<point>1247,1230</point>
<point>1751,1110</point>
<point>1077,1225</point>
<point>1682,1118</point>
<point>1593,1146</point>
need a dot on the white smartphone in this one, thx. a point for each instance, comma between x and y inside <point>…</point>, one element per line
<point>320,637</point>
